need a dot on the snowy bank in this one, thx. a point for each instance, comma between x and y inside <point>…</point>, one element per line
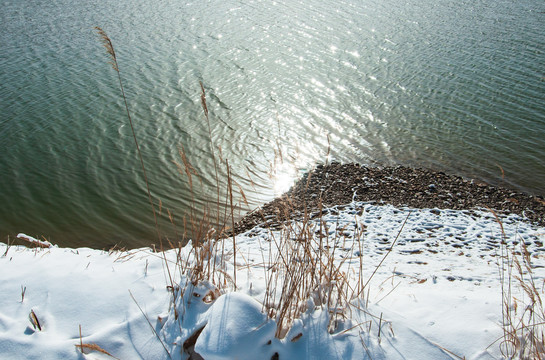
<point>436,295</point>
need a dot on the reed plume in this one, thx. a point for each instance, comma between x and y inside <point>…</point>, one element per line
<point>107,43</point>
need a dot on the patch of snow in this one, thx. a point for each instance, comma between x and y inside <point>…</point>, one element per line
<point>436,295</point>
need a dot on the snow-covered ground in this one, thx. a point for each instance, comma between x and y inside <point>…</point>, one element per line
<point>436,295</point>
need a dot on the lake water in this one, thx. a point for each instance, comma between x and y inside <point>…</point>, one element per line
<point>454,85</point>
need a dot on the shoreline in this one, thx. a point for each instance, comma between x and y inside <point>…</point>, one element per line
<point>409,295</point>
<point>339,184</point>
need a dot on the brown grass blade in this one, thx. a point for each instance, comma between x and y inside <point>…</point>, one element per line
<point>34,320</point>
<point>93,347</point>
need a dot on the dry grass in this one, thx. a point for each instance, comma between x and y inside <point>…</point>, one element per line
<point>523,311</point>
<point>88,348</point>
<point>305,276</point>
<point>306,272</point>
<point>34,320</point>
<point>523,314</point>
<point>303,271</point>
<point>8,245</point>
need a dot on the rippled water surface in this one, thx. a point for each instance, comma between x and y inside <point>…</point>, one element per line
<point>455,85</point>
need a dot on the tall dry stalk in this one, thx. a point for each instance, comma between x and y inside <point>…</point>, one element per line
<point>205,110</point>
<point>523,314</point>
<point>230,190</point>
<point>107,43</point>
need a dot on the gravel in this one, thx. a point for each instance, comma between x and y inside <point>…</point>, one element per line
<point>338,184</point>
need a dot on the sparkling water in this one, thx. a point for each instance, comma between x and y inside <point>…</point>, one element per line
<point>458,86</point>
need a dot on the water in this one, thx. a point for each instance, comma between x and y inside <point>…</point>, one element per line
<point>458,86</point>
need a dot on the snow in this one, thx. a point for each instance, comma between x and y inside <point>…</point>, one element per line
<point>236,329</point>
<point>436,295</point>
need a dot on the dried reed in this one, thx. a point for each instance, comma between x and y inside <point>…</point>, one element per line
<point>523,314</point>
<point>107,43</point>
<point>87,348</point>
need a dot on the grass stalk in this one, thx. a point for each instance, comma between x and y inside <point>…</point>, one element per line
<point>107,43</point>
<point>523,315</point>
<point>230,189</point>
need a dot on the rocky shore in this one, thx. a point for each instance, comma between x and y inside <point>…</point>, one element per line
<point>337,184</point>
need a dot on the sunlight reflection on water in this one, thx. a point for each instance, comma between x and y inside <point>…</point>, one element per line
<point>454,86</point>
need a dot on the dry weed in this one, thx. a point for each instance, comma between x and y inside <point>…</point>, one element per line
<point>88,348</point>
<point>523,314</point>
